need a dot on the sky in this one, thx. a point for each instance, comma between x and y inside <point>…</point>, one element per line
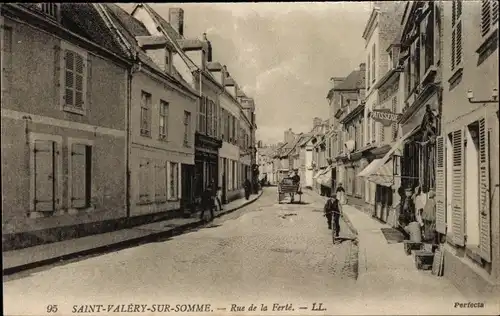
<point>280,54</point>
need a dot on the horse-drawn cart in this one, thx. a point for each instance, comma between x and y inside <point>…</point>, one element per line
<point>288,187</point>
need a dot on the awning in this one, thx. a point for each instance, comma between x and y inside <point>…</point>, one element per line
<point>326,180</point>
<point>372,166</point>
<point>383,176</point>
<point>375,165</point>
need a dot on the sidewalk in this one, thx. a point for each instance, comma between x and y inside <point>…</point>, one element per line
<point>28,258</point>
<point>389,281</point>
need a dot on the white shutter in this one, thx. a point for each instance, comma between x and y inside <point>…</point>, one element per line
<point>484,191</point>
<point>69,78</point>
<point>78,175</point>
<point>160,182</point>
<point>458,215</point>
<point>486,17</point>
<point>441,185</point>
<point>44,176</point>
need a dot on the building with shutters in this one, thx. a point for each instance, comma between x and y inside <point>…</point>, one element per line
<point>162,119</point>
<point>380,31</point>
<point>346,107</point>
<point>64,95</point>
<point>467,169</point>
<point>191,57</point>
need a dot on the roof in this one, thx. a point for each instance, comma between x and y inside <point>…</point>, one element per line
<point>305,138</point>
<point>84,20</point>
<point>355,81</point>
<point>293,145</point>
<point>130,27</point>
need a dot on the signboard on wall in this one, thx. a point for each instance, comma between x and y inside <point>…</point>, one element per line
<point>384,116</point>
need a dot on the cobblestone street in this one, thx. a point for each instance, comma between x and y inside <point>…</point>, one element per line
<point>265,252</point>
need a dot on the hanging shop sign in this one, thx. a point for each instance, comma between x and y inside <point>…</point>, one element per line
<point>384,116</point>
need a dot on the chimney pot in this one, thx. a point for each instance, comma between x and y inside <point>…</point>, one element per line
<point>176,19</point>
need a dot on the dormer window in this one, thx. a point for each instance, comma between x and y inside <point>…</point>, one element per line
<point>50,9</point>
<point>168,61</point>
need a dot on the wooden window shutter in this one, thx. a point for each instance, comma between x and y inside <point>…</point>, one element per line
<point>160,182</point>
<point>44,176</point>
<point>394,127</point>
<point>453,13</point>
<point>169,177</point>
<point>80,68</point>
<point>453,46</point>
<point>179,181</point>
<point>57,73</point>
<point>69,86</point>
<point>458,215</point>
<point>381,131</point>
<point>441,185</point>
<point>88,86</point>
<point>484,192</point>
<point>494,11</point>
<point>458,51</point>
<point>78,176</point>
<point>486,16</point>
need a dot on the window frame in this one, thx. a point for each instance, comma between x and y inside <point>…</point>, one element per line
<point>65,46</point>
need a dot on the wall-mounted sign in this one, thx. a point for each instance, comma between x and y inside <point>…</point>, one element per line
<point>384,116</point>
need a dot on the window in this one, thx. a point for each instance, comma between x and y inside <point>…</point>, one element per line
<point>209,117</point>
<point>174,181</point>
<point>50,9</point>
<point>202,116</point>
<point>456,36</point>
<point>374,77</point>
<point>187,127</point>
<point>75,77</point>
<point>216,120</point>
<point>81,175</point>
<point>7,57</point>
<point>416,64</point>
<point>145,114</point>
<point>429,39</point>
<point>163,120</point>
<point>489,16</point>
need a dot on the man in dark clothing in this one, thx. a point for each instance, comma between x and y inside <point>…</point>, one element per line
<point>247,187</point>
<point>207,202</point>
<point>332,211</point>
<point>296,178</point>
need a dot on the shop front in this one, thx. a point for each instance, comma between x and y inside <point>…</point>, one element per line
<point>206,161</point>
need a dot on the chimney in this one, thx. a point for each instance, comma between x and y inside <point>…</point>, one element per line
<point>335,81</point>
<point>362,67</point>
<point>176,19</point>
<point>209,53</point>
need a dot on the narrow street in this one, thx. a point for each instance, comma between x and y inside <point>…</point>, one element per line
<point>265,252</point>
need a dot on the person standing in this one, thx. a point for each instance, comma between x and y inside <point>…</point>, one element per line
<point>218,198</point>
<point>247,187</point>
<point>207,202</point>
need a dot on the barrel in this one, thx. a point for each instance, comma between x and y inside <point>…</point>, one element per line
<point>413,230</point>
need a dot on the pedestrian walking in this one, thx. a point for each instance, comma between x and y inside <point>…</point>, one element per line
<point>207,202</point>
<point>333,213</point>
<point>218,198</point>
